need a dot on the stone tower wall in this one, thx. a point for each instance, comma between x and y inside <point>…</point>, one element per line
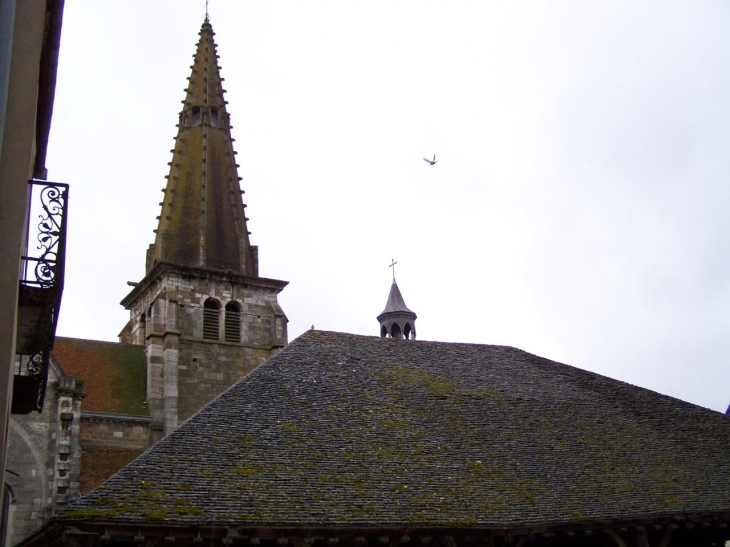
<point>185,370</point>
<point>207,369</point>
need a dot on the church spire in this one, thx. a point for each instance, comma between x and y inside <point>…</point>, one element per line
<point>396,320</point>
<point>202,223</point>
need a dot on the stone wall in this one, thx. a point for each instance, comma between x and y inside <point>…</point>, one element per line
<point>108,443</point>
<point>29,475</point>
<point>44,457</point>
<point>110,431</point>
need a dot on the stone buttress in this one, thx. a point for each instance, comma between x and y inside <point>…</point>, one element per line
<point>202,311</point>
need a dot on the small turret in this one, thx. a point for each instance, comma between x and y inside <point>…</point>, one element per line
<point>396,320</point>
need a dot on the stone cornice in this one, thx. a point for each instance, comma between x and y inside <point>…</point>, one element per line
<point>397,315</point>
<point>109,417</point>
<point>226,343</point>
<point>165,268</point>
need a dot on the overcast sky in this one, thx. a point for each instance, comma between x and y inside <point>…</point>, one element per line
<point>579,208</point>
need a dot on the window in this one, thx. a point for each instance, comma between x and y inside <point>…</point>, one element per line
<point>214,117</point>
<point>233,322</point>
<point>149,324</point>
<point>196,116</point>
<point>142,328</point>
<point>211,313</point>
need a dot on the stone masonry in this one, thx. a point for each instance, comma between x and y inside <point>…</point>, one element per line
<point>44,457</point>
<point>118,432</point>
<point>185,370</point>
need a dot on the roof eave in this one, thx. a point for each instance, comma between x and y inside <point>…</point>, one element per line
<point>58,526</point>
<point>392,314</point>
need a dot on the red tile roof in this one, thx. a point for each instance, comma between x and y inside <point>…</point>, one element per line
<point>114,375</point>
<point>101,463</point>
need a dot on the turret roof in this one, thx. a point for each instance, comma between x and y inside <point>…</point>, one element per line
<point>395,303</point>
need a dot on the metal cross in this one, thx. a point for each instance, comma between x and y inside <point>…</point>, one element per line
<point>206,10</point>
<point>392,265</point>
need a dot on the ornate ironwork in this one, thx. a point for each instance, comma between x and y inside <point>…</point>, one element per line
<point>41,287</point>
<point>35,365</point>
<point>51,237</point>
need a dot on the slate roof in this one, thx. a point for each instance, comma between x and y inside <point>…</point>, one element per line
<point>345,430</point>
<point>395,301</point>
<point>114,375</point>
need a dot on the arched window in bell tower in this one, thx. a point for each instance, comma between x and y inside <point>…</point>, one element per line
<point>233,322</point>
<point>149,324</point>
<point>214,117</point>
<point>407,331</point>
<point>142,329</point>
<point>211,319</point>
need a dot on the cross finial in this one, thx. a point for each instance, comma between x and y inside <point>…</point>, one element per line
<point>392,265</point>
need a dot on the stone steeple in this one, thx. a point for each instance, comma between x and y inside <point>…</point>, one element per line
<point>202,223</point>
<point>202,311</point>
<point>396,320</point>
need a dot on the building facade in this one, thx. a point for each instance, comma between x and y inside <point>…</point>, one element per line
<point>30,287</point>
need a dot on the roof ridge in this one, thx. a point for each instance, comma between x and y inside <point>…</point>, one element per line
<point>99,341</point>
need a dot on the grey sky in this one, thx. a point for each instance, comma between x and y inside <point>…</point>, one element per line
<point>579,209</point>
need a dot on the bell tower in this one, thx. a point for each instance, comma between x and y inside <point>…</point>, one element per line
<point>202,311</point>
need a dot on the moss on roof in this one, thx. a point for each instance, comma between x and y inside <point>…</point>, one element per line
<point>114,375</point>
<point>345,430</point>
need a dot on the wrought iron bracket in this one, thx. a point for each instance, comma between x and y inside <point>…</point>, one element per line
<point>41,287</point>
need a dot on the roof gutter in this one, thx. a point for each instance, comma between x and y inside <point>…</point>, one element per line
<point>47,83</point>
<point>710,527</point>
<point>115,417</point>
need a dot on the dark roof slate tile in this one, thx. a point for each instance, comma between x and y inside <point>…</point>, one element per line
<point>348,430</point>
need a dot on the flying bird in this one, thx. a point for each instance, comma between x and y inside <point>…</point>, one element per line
<point>434,161</point>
